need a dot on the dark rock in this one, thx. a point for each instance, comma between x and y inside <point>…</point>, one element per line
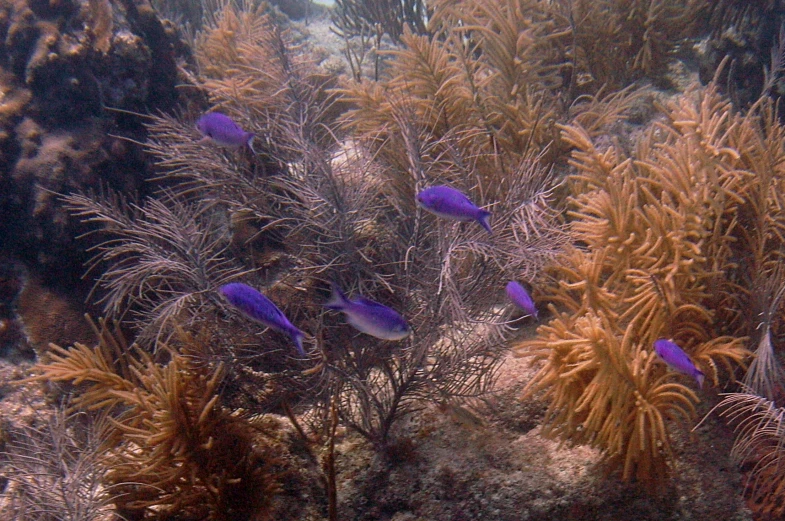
<point>746,34</point>
<point>64,66</point>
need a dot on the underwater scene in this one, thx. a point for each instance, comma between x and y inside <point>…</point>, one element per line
<point>398,260</point>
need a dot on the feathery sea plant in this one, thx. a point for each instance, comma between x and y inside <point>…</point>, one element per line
<point>354,17</point>
<point>451,89</point>
<point>765,376</point>
<point>591,45</point>
<point>607,390</point>
<point>615,42</point>
<point>171,447</point>
<point>353,220</point>
<point>759,447</point>
<point>761,237</point>
<point>57,469</point>
<point>164,259</point>
<point>253,71</point>
<point>445,270</point>
<point>350,217</point>
<point>367,235</point>
<point>659,229</point>
<point>754,412</point>
<point>492,74</point>
<point>727,169</point>
<point>744,45</point>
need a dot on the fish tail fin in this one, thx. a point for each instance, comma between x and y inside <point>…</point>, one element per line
<point>251,137</point>
<point>297,338</point>
<point>485,220</point>
<point>699,377</point>
<point>337,298</point>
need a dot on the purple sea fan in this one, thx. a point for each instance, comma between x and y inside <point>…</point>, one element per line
<point>450,203</point>
<point>369,317</point>
<point>677,359</point>
<point>222,129</point>
<point>256,306</point>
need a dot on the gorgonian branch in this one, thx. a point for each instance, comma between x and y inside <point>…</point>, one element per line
<point>165,262</point>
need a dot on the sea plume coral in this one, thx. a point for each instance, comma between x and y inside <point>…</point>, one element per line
<point>348,215</point>
<point>442,80</point>
<point>659,229</point>
<point>644,35</point>
<point>171,447</point>
<point>356,17</point>
<point>254,71</point>
<point>755,412</point>
<point>759,427</point>
<point>164,261</point>
<point>765,376</point>
<point>608,391</point>
<point>433,271</point>
<point>492,74</point>
<point>57,469</point>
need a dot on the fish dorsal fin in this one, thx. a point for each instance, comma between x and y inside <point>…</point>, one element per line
<point>368,302</point>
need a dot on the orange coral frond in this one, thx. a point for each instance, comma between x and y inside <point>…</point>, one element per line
<point>173,447</point>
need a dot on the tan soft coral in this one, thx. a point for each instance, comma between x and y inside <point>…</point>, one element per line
<point>606,390</point>
<point>484,74</point>
<point>171,448</point>
<point>254,71</point>
<point>660,230</point>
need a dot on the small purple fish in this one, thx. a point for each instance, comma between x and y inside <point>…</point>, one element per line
<point>369,317</point>
<point>677,359</point>
<point>221,129</point>
<point>520,297</point>
<point>450,203</point>
<point>257,307</point>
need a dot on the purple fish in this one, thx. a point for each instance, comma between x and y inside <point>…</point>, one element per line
<point>257,307</point>
<point>221,129</point>
<point>677,359</point>
<point>450,203</point>
<point>369,317</point>
<point>520,297</point>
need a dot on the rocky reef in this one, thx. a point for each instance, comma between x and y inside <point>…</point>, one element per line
<point>68,70</point>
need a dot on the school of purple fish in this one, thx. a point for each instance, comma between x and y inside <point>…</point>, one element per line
<point>368,316</point>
